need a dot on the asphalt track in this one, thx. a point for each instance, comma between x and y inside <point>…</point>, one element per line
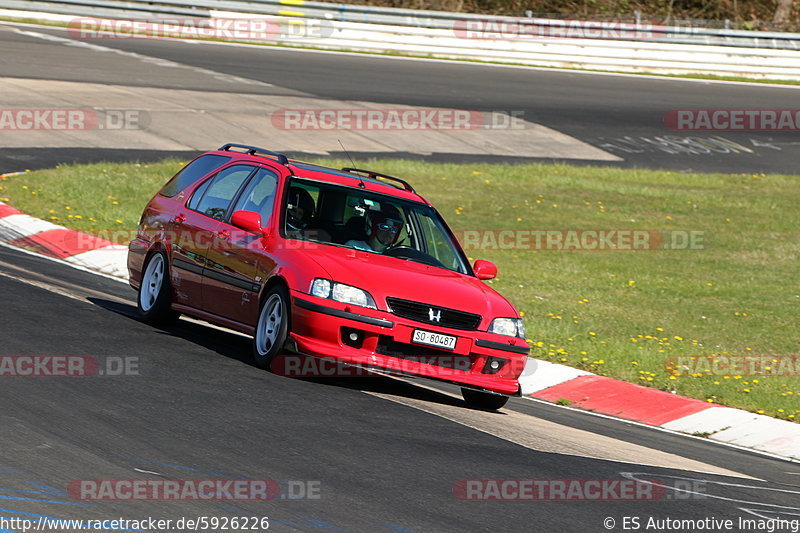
<point>195,408</point>
<point>384,453</point>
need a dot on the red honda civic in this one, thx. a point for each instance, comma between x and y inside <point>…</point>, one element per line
<point>347,265</point>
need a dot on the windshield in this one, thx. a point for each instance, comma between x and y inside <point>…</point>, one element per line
<point>376,223</point>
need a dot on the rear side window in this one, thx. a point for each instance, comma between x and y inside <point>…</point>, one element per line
<point>224,186</point>
<point>192,172</point>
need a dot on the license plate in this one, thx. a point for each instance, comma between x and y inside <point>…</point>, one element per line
<point>433,339</point>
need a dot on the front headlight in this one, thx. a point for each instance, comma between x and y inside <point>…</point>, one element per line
<point>321,288</point>
<point>511,327</point>
<point>324,288</point>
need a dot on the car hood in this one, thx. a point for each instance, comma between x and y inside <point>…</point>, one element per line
<point>384,276</point>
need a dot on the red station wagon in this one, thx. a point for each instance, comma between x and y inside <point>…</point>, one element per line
<point>347,265</point>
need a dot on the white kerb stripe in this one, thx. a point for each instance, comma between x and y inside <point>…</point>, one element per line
<point>765,433</point>
<point>112,260</point>
<point>710,420</point>
<point>18,226</point>
<point>539,375</point>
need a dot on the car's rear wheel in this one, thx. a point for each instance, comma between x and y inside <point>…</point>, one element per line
<point>155,292</point>
<point>483,400</point>
<point>272,328</point>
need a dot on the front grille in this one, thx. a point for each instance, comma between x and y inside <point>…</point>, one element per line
<point>431,314</point>
<point>422,354</point>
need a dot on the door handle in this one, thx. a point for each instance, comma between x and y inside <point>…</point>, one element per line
<point>224,234</point>
<point>180,219</point>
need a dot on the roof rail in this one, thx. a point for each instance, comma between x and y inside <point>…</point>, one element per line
<point>372,174</point>
<point>254,150</point>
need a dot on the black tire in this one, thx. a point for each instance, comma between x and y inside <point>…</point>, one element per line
<point>483,400</point>
<point>272,327</point>
<point>154,299</point>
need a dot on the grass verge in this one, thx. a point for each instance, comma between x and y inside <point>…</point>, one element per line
<point>623,314</point>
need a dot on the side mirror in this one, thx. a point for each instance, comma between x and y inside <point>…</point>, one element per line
<point>248,221</point>
<point>485,269</point>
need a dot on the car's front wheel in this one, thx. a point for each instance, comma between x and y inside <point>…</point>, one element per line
<point>272,328</point>
<point>155,293</point>
<point>483,400</point>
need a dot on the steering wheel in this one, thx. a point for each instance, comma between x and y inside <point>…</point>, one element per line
<point>407,252</point>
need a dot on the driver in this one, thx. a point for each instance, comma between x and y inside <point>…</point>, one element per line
<point>299,209</point>
<point>383,229</point>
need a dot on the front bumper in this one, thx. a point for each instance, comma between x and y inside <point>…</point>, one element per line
<point>323,328</point>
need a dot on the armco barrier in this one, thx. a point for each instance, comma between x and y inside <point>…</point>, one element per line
<point>665,50</point>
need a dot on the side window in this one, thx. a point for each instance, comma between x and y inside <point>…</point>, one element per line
<point>259,195</point>
<point>437,243</point>
<point>192,172</point>
<point>220,192</point>
<point>198,193</point>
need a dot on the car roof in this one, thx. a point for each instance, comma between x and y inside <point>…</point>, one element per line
<point>363,179</point>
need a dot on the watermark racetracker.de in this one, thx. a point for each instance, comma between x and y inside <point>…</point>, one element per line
<point>394,119</point>
<point>504,29</point>
<point>53,119</point>
<point>192,490</point>
<point>68,366</point>
<point>732,119</point>
<point>587,490</point>
<point>599,239</point>
<point>245,28</point>
<point>733,365</point>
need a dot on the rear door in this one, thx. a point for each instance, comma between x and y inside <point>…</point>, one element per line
<point>237,260</point>
<point>196,227</point>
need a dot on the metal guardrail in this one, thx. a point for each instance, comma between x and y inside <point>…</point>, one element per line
<point>407,17</point>
<point>532,41</point>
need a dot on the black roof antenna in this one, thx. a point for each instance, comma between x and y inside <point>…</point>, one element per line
<point>360,180</point>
